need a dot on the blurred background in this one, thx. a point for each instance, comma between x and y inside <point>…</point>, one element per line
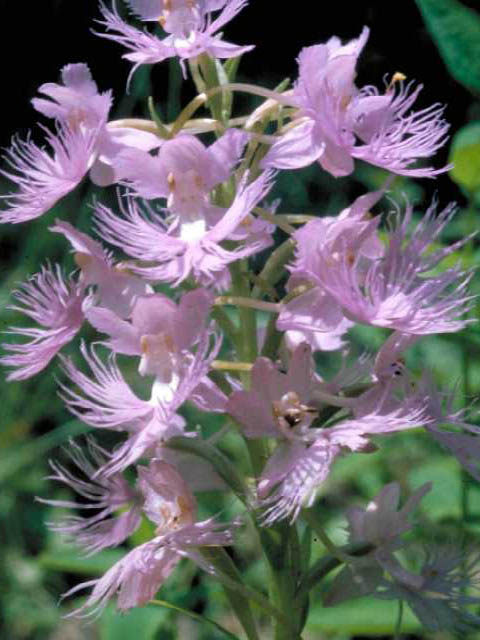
<point>36,41</point>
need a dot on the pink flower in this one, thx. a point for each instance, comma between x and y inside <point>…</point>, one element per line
<point>181,250</point>
<point>170,505</point>
<point>116,289</point>
<point>106,401</point>
<point>382,522</point>
<point>380,525</point>
<point>278,406</point>
<point>78,105</point>
<point>446,585</point>
<point>184,171</point>
<point>107,495</point>
<point>192,31</point>
<point>44,178</point>
<point>338,122</point>
<point>55,305</point>
<point>337,239</point>
<point>391,290</point>
<point>82,143</point>
<point>159,331</point>
<point>285,406</point>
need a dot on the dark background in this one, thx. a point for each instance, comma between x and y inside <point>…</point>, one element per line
<point>38,38</point>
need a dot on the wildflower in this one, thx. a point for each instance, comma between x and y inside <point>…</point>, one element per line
<point>190,27</point>
<point>83,142</point>
<point>146,236</point>
<point>106,401</point>
<point>392,290</point>
<point>337,122</point>
<point>381,525</point>
<point>56,305</point>
<point>43,178</point>
<point>184,171</point>
<point>169,504</point>
<point>108,495</point>
<point>159,331</point>
<point>285,406</point>
<point>116,288</point>
<point>440,595</point>
<point>353,233</point>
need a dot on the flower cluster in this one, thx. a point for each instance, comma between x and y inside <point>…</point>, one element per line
<point>191,210</point>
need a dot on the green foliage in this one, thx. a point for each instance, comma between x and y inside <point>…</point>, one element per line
<point>361,616</point>
<point>137,623</point>
<point>455,30</point>
<point>465,157</point>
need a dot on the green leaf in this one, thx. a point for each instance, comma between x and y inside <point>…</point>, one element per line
<point>362,616</point>
<point>239,601</point>
<point>141,623</point>
<point>194,616</point>
<point>465,156</point>
<point>455,30</point>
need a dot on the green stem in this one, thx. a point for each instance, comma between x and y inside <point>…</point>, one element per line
<point>274,219</point>
<point>248,303</point>
<point>247,351</point>
<point>311,517</point>
<point>273,270</point>
<point>213,85</point>
<point>273,338</point>
<point>163,131</point>
<point>325,565</point>
<point>225,365</point>
<point>248,321</point>
<point>187,112</point>
<point>228,574</point>
<point>237,593</point>
<point>224,322</point>
<point>397,635</point>
<point>281,548</point>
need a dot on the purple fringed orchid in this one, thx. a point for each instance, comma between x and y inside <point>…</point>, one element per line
<point>169,504</point>
<point>44,178</point>
<point>159,331</point>
<point>381,525</point>
<point>106,495</point>
<point>278,406</point>
<point>106,400</point>
<point>56,305</point>
<point>315,313</point>
<point>464,443</point>
<point>284,406</point>
<point>181,249</point>
<point>189,24</point>
<point>116,288</point>
<point>184,171</point>
<point>437,594</point>
<point>448,580</point>
<point>336,122</point>
<point>390,289</point>
<point>83,142</point>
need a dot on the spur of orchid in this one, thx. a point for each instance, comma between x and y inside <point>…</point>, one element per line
<point>189,293</point>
